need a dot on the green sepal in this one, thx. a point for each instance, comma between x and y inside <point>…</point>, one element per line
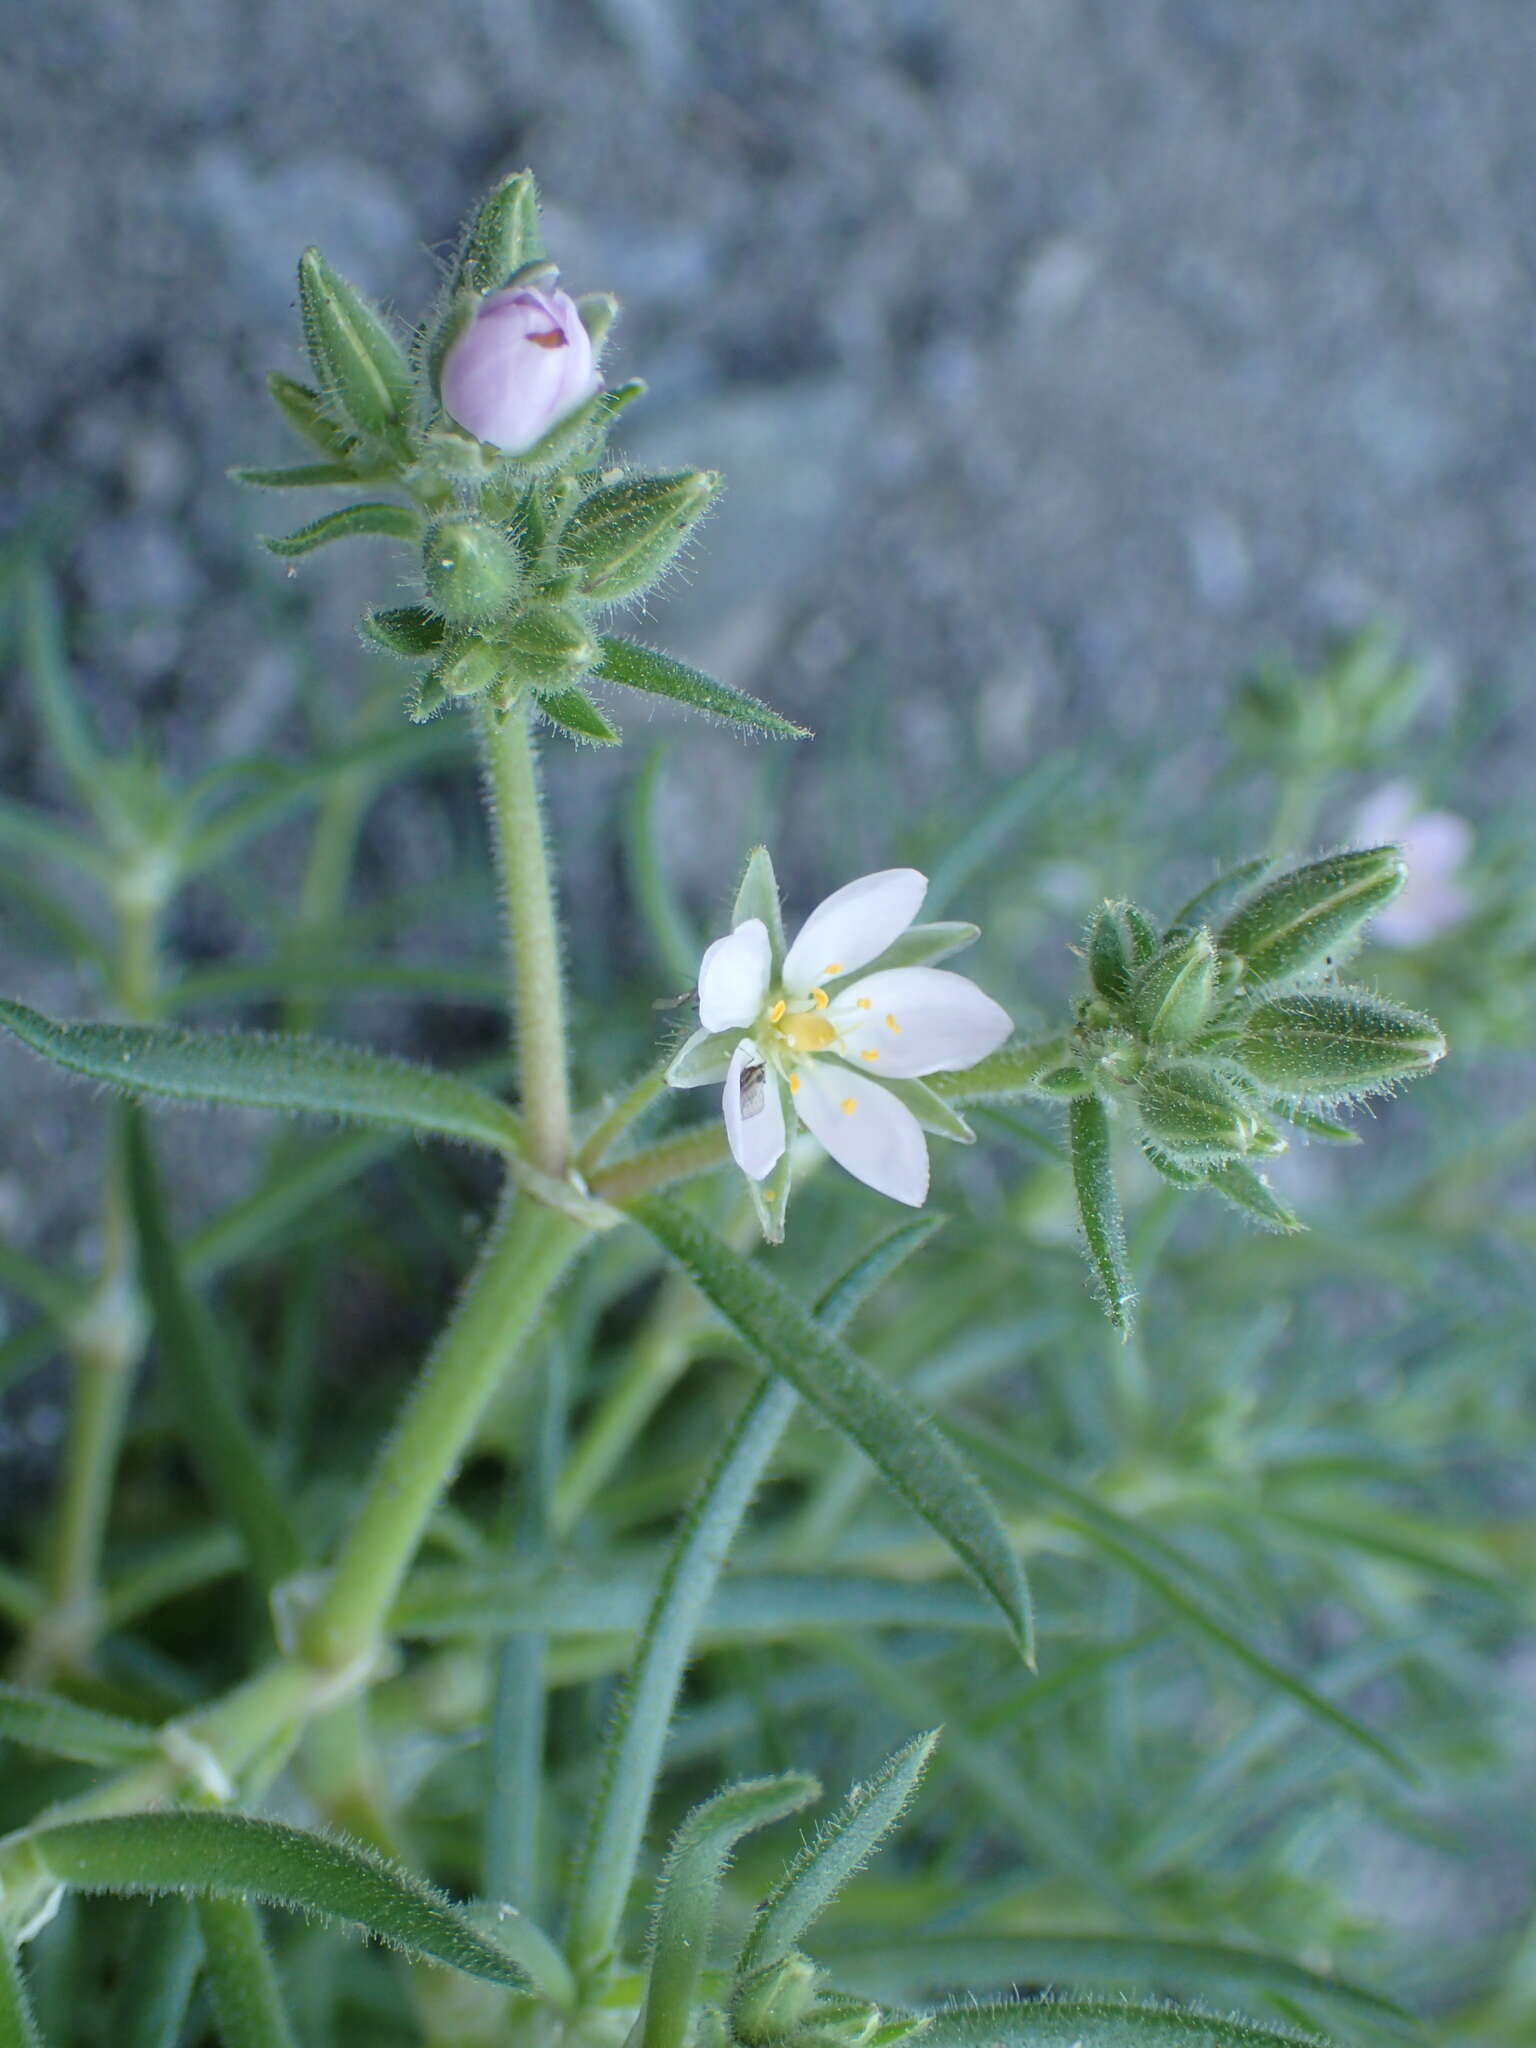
<point>1301,921</point>
<point>1171,993</point>
<point>597,312</point>
<point>642,668</point>
<point>932,1111</point>
<point>770,1197</point>
<point>408,630</point>
<point>472,569</point>
<point>1178,1172</point>
<point>503,236</point>
<point>360,367</point>
<point>611,403</point>
<point>1068,1080</point>
<point>303,476</point>
<point>1335,1046</point>
<point>574,712</point>
<point>568,439</point>
<point>305,412</point>
<point>1222,893</point>
<point>426,699</point>
<point>703,1060</point>
<point>758,896</point>
<point>1098,1207</point>
<point>454,316</point>
<point>773,2001</point>
<point>1249,1191</point>
<point>625,535</point>
<point>1113,949</point>
<point>470,669</point>
<point>391,522</point>
<point>1192,1113</point>
<point>1319,1126</point>
<point>546,645</point>
<point>1143,934</point>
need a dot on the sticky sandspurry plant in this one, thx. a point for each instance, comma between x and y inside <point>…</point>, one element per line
<point>1196,1044</point>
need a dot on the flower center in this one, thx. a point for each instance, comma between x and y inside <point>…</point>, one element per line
<point>807,1030</point>
<point>548,337</point>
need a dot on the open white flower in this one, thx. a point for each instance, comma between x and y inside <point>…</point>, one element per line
<point>838,1031</point>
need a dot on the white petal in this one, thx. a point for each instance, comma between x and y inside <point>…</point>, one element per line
<point>852,927</point>
<point>756,1141</point>
<point>733,977</point>
<point>867,1131</point>
<point>918,1020</point>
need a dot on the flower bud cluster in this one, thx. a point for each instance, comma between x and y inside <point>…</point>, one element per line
<point>491,424</point>
<point>1214,1035</point>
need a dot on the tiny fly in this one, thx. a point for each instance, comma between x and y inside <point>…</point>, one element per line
<point>754,1089</point>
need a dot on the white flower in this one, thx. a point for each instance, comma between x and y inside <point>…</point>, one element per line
<point>812,1035</point>
<point>1435,845</point>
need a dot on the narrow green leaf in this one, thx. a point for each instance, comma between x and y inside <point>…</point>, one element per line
<point>30,831</point>
<point>643,668</point>
<point>1094,2023</point>
<point>237,1856</point>
<point>248,2008</point>
<point>393,522</point>
<point>305,412</point>
<point>61,1727</point>
<point>301,476</point>
<point>59,709</point>
<point>1098,1207</point>
<point>1249,1191</point>
<point>690,1886</point>
<point>156,1987</point>
<point>574,712</point>
<point>230,1458</point>
<point>851,1290</point>
<point>302,1076</point>
<point>677,944</point>
<point>1016,1070</point>
<point>839,1849</point>
<point>1220,894</point>
<point>409,630</point>
<point>18,2027</point>
<point>912,1454</point>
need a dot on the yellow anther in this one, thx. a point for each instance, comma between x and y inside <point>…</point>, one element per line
<point>777,1011</point>
<point>865,1003</point>
<point>869,1055</point>
<point>833,967</point>
<point>819,998</point>
<point>891,1024</point>
<point>794,1084</point>
<point>849,1105</point>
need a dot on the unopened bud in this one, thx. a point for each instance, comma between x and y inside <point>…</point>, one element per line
<point>1298,922</point>
<point>1171,995</point>
<point>472,568</point>
<point>521,365</point>
<point>774,2001</point>
<point>473,668</point>
<point>1114,949</point>
<point>1335,1045</point>
<point>361,368</point>
<point>625,535</point>
<point>545,645</point>
<point>1193,1114</point>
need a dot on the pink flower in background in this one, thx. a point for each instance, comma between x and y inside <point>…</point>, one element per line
<point>1436,844</point>
<point>520,367</point>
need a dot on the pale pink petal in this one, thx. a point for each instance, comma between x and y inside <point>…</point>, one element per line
<point>521,365</point>
<point>733,977</point>
<point>910,1021</point>
<point>867,1131</point>
<point>754,1113</point>
<point>852,927</point>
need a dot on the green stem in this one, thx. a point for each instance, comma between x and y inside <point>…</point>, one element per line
<point>528,1251</point>
<point>533,938</point>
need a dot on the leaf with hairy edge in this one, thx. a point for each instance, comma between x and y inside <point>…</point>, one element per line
<point>911,1453</point>
<point>61,1727</point>
<point>255,1070</point>
<point>391,522</point>
<point>574,712</point>
<point>1096,2023</point>
<point>18,2027</point>
<point>690,1886</point>
<point>642,668</point>
<point>238,1856</point>
<point>301,476</point>
<point>1098,1207</point>
<point>839,1849</point>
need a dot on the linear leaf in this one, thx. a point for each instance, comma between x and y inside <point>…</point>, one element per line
<point>247,1999</point>
<point>911,1453</point>
<point>1098,1207</point>
<point>574,712</point>
<point>258,1070</point>
<point>18,2027</point>
<point>643,668</point>
<point>32,831</point>
<point>59,708</point>
<point>1095,2023</point>
<point>690,1886</point>
<point>301,476</point>
<point>61,1727</point>
<point>839,1849</point>
<point>392,522</point>
<point>236,1855</point>
<point>156,1986</point>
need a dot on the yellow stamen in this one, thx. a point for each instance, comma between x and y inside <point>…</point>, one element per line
<point>849,1105</point>
<point>865,1003</point>
<point>833,967</point>
<point>869,1055</point>
<point>891,1024</point>
<point>777,1011</point>
<point>794,1084</point>
<point>807,1032</point>
<point>819,998</point>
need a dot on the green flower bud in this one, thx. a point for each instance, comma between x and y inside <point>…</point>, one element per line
<point>1192,1113</point>
<point>775,2000</point>
<point>1112,952</point>
<point>473,570</point>
<point>625,535</point>
<point>1298,922</point>
<point>361,368</point>
<point>473,668</point>
<point>546,645</point>
<point>1067,1080</point>
<point>1171,995</point>
<point>1336,1045</point>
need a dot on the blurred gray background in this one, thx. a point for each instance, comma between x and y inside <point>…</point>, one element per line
<point>1061,355</point>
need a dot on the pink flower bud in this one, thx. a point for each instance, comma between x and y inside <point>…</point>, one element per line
<point>521,365</point>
